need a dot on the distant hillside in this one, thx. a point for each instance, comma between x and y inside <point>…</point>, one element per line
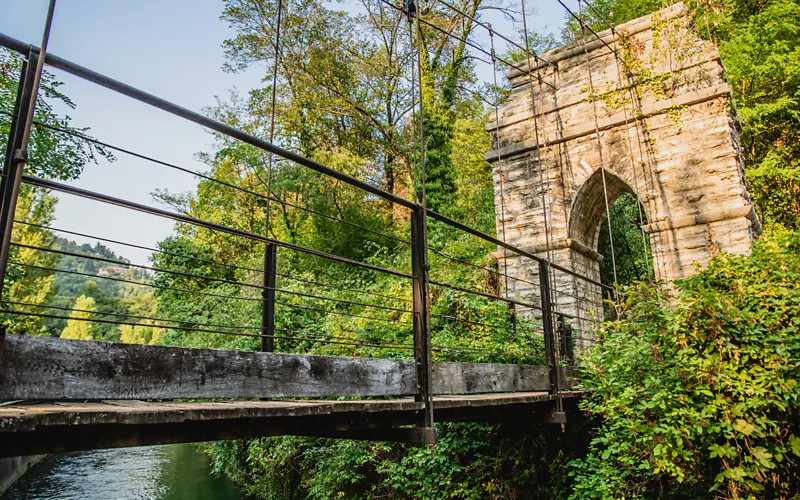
<point>103,285</point>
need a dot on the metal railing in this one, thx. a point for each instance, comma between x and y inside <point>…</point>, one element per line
<point>541,317</point>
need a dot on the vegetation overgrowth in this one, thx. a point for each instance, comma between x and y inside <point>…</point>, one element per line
<point>698,395</point>
<point>693,396</point>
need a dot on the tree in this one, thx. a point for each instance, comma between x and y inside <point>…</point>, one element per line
<point>634,259</point>
<point>57,150</point>
<point>78,326</point>
<point>141,304</point>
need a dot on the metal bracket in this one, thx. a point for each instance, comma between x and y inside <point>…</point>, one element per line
<point>20,155</point>
<point>555,417</point>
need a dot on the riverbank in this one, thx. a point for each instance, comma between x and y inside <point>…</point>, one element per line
<point>13,468</point>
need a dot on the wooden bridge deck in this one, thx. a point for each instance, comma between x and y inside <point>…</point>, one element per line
<point>63,395</point>
<point>31,427</point>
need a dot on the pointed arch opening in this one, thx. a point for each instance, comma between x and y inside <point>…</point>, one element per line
<point>589,226</point>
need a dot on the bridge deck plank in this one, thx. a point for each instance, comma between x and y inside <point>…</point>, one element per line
<point>27,416</point>
<point>31,427</point>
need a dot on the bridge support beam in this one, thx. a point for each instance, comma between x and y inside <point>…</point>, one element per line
<point>268,307</point>
<point>422,338</point>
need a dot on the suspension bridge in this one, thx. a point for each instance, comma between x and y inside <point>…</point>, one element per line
<point>64,395</point>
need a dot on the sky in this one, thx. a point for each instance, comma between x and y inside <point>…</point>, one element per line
<point>169,48</point>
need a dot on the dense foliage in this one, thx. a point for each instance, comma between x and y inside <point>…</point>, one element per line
<point>698,395</point>
<point>56,151</point>
<point>471,461</point>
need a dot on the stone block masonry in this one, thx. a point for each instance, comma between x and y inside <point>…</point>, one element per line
<point>655,120</point>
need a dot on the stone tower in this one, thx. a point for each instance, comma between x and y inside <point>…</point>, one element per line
<point>656,121</point>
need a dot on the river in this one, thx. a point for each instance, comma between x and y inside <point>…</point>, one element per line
<point>173,472</point>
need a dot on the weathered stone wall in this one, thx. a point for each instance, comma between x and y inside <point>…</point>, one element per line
<point>667,133</point>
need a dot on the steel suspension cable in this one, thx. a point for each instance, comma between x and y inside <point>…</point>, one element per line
<point>266,198</point>
<point>541,165</point>
<point>597,135</point>
<point>272,110</point>
<point>458,38</point>
<point>528,52</point>
<point>629,87</point>
<point>499,159</point>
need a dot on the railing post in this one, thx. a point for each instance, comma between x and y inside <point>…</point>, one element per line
<point>564,331</point>
<point>612,301</point>
<point>15,160</point>
<point>547,325</point>
<point>422,339</point>
<point>268,294</point>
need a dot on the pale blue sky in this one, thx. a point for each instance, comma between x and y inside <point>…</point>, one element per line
<point>172,49</point>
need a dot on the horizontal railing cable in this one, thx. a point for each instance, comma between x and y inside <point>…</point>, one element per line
<point>340,313</point>
<point>207,294</point>
<point>341,288</point>
<point>477,266</point>
<point>91,195</point>
<point>140,247</point>
<point>132,316</point>
<point>317,337</point>
<point>211,262</point>
<point>203,277</point>
<point>483,294</point>
<point>217,181</point>
<point>469,321</point>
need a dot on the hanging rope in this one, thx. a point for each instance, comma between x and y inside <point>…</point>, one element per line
<point>499,161</point>
<point>545,186</point>
<point>272,109</point>
<point>599,142</point>
<point>629,87</point>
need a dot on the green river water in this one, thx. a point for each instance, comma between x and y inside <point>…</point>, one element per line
<point>174,472</point>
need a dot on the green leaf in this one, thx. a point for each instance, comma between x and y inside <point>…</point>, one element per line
<point>744,427</point>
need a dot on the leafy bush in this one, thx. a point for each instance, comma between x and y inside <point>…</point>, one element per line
<point>698,394</point>
<point>471,461</point>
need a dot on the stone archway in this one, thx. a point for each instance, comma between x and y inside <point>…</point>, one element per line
<point>589,206</point>
<point>674,144</point>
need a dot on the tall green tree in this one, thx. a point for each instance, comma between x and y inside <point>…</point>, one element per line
<point>56,151</point>
<point>78,327</point>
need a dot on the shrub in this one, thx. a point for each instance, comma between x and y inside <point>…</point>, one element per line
<point>697,394</point>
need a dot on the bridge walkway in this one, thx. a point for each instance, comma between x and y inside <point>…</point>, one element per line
<point>32,427</point>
